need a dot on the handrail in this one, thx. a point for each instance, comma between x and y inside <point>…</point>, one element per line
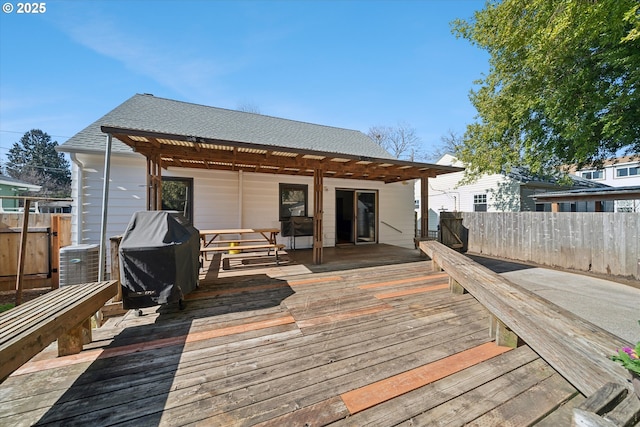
<point>391,226</point>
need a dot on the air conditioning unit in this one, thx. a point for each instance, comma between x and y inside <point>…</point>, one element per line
<point>79,264</point>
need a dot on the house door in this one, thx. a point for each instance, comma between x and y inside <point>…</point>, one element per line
<point>356,216</point>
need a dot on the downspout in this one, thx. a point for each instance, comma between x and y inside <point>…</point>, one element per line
<point>79,197</point>
<point>105,200</point>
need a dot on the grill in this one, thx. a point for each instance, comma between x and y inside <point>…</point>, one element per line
<point>159,259</point>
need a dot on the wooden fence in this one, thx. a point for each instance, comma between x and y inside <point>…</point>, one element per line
<point>47,234</point>
<point>607,243</point>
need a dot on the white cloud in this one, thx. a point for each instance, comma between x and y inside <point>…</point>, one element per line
<point>168,64</point>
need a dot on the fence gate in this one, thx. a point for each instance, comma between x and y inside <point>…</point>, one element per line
<point>452,233</point>
<point>47,233</point>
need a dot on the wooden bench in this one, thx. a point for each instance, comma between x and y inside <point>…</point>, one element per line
<point>228,242</point>
<point>611,406</point>
<point>268,246</point>
<point>575,348</point>
<point>61,314</point>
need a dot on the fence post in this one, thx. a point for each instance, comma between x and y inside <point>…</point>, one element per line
<point>23,247</point>
<point>60,237</point>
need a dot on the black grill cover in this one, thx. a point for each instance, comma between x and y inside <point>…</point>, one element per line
<point>159,259</point>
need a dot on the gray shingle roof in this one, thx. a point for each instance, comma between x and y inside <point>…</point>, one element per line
<point>609,193</point>
<point>525,176</point>
<point>150,113</point>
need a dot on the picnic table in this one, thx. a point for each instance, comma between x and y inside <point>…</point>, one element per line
<point>250,239</point>
<point>210,237</point>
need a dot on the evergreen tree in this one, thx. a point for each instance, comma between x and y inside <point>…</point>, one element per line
<point>34,159</point>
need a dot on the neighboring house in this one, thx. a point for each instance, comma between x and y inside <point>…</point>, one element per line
<point>231,169</point>
<point>495,193</point>
<point>618,172</point>
<point>11,187</point>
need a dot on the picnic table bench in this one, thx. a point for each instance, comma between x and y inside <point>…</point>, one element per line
<point>266,241</point>
<point>61,314</point>
<point>575,348</point>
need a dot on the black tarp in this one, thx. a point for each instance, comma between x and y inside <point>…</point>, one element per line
<point>159,259</point>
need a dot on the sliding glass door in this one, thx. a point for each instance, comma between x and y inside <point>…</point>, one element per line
<point>366,213</point>
<point>356,216</point>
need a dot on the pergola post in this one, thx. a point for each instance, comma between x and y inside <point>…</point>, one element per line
<point>154,183</point>
<point>149,183</point>
<point>318,189</point>
<point>424,207</point>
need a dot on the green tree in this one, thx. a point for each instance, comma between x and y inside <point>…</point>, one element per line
<point>34,159</point>
<point>563,85</point>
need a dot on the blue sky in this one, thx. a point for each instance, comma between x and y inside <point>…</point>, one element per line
<point>350,64</point>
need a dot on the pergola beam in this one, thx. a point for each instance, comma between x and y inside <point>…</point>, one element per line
<point>168,150</point>
<point>184,151</point>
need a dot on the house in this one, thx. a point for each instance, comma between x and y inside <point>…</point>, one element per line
<point>232,169</point>
<point>9,189</point>
<point>495,192</point>
<point>599,198</point>
<point>617,172</point>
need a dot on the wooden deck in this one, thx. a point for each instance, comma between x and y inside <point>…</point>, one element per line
<point>350,345</point>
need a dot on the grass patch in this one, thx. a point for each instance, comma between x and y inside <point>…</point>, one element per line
<point>5,307</point>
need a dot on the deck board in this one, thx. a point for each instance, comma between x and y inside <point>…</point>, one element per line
<point>286,350</point>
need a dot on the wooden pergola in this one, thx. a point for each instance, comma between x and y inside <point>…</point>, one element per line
<point>164,150</point>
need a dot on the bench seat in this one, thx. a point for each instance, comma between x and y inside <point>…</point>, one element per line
<point>60,314</point>
<point>240,248</point>
<point>227,242</point>
<point>575,348</point>
<point>278,246</point>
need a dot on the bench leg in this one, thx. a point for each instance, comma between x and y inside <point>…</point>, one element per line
<point>504,336</point>
<point>73,340</point>
<point>455,287</point>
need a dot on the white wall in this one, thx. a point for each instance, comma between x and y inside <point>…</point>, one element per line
<point>217,202</point>
<point>610,175</point>
<point>611,179</point>
<point>445,193</point>
<point>127,194</point>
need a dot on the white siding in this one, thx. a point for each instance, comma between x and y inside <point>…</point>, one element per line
<point>611,179</point>
<point>396,209</point>
<point>127,194</point>
<point>219,197</point>
<point>503,194</point>
<point>610,175</point>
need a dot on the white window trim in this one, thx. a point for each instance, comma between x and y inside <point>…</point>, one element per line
<point>627,167</point>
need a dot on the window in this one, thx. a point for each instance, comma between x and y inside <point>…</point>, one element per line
<point>479,202</point>
<point>599,174</point>
<point>627,206</point>
<point>293,200</point>
<point>177,195</point>
<point>627,171</point>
